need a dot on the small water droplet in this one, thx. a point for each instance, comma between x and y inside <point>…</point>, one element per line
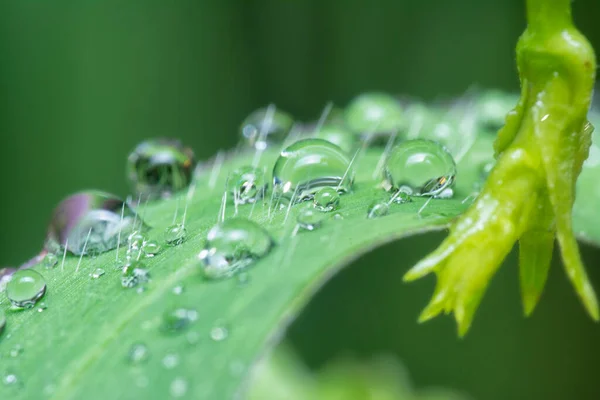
<point>262,128</point>
<point>219,333</point>
<point>138,353</point>
<point>309,219</point>
<point>378,209</point>
<point>377,113</point>
<point>2,320</point>
<point>10,379</point>
<point>97,273</point>
<point>401,197</point>
<point>50,260</point>
<point>338,135</point>
<point>177,290</point>
<point>25,288</point>
<point>233,245</point>
<point>175,234</point>
<point>42,307</point>
<point>309,165</point>
<point>179,387</point>
<point>178,319</point>
<point>326,199</point>
<point>151,248</point>
<point>243,278</point>
<point>338,217</point>
<point>246,185</point>
<point>90,223</point>
<point>16,351</point>
<point>136,240</point>
<point>170,361</point>
<point>160,167</point>
<point>134,273</point>
<point>419,167</point>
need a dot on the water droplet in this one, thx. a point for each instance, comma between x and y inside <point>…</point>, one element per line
<point>97,273</point>
<point>151,248</point>
<point>175,234</point>
<point>378,209</point>
<point>309,219</point>
<point>177,290</point>
<point>246,185</point>
<point>159,167</point>
<point>219,333</point>
<point>179,387</point>
<point>420,168</point>
<point>401,197</point>
<point>243,278</point>
<point>50,260</point>
<point>42,307</point>
<point>134,273</point>
<point>178,319</point>
<point>326,199</point>
<point>338,135</point>
<point>233,245</point>
<point>16,351</point>
<point>338,217</point>
<point>492,107</point>
<point>309,165</point>
<point>170,361</point>
<point>136,240</point>
<point>374,113</point>
<point>262,127</point>
<point>447,193</point>
<point>93,217</point>
<point>10,379</point>
<point>138,353</point>
<point>25,288</point>
<point>2,320</point>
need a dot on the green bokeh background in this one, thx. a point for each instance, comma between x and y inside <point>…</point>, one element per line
<point>82,82</point>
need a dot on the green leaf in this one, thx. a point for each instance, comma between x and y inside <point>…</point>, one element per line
<point>79,346</point>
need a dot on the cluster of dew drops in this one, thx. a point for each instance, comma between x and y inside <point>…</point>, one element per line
<point>420,146</point>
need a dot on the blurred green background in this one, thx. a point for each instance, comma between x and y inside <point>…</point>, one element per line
<point>82,82</point>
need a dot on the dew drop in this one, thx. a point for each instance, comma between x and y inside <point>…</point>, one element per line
<point>134,273</point>
<point>401,197</point>
<point>246,185</point>
<point>10,379</point>
<point>338,135</point>
<point>309,219</point>
<point>233,245</point>
<point>97,273</point>
<point>170,361</point>
<point>50,260</point>
<point>138,353</point>
<point>219,333</point>
<point>326,199</point>
<point>2,320</point>
<point>179,387</point>
<point>159,167</point>
<point>25,288</point>
<point>90,223</point>
<point>16,351</point>
<point>338,217</point>
<point>263,127</point>
<point>178,319</point>
<point>243,278</point>
<point>151,248</point>
<point>377,113</point>
<point>378,209</point>
<point>177,290</point>
<point>42,307</point>
<point>136,240</point>
<point>175,234</point>
<point>308,165</point>
<point>420,168</point>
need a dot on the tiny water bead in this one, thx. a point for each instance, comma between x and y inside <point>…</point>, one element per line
<point>25,288</point>
<point>246,185</point>
<point>134,274</point>
<point>419,168</point>
<point>308,165</point>
<point>338,135</point>
<point>170,361</point>
<point>178,388</point>
<point>151,248</point>
<point>400,197</point>
<point>50,260</point>
<point>378,209</point>
<point>136,240</point>
<point>90,222</point>
<point>97,273</point>
<point>233,245</point>
<point>175,234</point>
<point>178,319</point>
<point>159,167</point>
<point>374,113</point>
<point>219,333</point>
<point>310,219</point>
<point>326,199</point>
<point>266,126</point>
<point>138,353</point>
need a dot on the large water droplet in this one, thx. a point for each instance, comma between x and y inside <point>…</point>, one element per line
<point>246,185</point>
<point>374,113</point>
<point>378,209</point>
<point>326,199</point>
<point>25,288</point>
<point>338,135</point>
<point>266,126</point>
<point>90,223</point>
<point>309,165</point>
<point>309,219</point>
<point>233,245</point>
<point>419,168</point>
<point>159,167</point>
<point>175,234</point>
<point>2,320</point>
